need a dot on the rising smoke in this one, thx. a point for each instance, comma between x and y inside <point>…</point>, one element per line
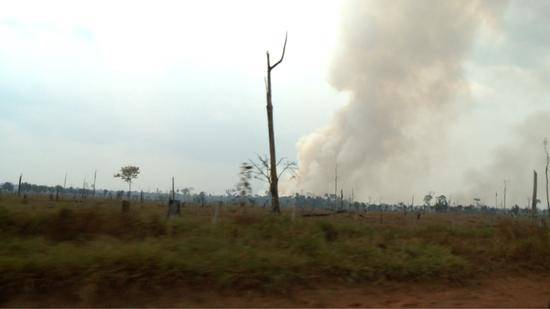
<point>402,64</point>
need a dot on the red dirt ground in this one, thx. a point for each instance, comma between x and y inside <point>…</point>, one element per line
<point>533,291</point>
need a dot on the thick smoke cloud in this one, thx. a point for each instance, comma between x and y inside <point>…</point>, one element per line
<point>402,64</point>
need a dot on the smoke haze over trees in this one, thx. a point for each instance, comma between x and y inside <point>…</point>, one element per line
<point>423,105</point>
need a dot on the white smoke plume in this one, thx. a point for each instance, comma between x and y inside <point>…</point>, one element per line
<point>402,63</point>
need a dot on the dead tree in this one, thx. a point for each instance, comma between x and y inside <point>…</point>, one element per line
<point>84,188</point>
<point>545,142</point>
<point>64,184</point>
<point>534,198</point>
<point>19,186</point>
<point>173,189</point>
<point>504,201</point>
<point>273,184</point>
<point>174,206</point>
<point>95,176</point>
<point>262,170</point>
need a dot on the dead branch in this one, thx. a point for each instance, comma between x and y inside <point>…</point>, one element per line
<point>282,56</point>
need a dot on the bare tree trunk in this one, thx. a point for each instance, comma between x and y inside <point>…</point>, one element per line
<point>64,184</point>
<point>19,187</point>
<point>273,186</point>
<point>126,203</point>
<point>504,202</point>
<point>84,188</point>
<point>545,143</point>
<point>546,171</point>
<point>534,198</point>
<point>274,190</point>
<point>95,175</point>
<point>173,190</point>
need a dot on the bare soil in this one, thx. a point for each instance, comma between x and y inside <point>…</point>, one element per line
<point>511,292</point>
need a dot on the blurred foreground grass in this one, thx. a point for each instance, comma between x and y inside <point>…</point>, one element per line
<point>92,246</point>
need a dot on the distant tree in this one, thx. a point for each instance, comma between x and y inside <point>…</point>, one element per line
<point>515,210</point>
<point>441,203</point>
<point>428,199</point>
<point>186,192</point>
<point>119,194</point>
<point>534,199</point>
<point>202,198</point>
<point>128,174</point>
<point>27,187</point>
<point>8,187</point>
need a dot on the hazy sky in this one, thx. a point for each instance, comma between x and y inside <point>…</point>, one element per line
<point>176,87</point>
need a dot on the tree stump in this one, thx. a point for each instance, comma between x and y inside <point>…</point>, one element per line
<point>125,206</point>
<point>174,208</point>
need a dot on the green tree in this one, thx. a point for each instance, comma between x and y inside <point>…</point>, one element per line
<point>128,174</point>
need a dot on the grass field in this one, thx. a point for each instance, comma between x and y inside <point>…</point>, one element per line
<point>92,251</point>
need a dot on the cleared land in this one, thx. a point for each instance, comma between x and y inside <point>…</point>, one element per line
<point>89,253</point>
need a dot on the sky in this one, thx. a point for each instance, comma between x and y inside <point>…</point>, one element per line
<point>176,88</point>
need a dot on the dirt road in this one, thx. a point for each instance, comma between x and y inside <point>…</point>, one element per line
<point>494,292</point>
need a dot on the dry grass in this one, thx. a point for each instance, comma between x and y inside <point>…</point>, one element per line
<point>94,250</point>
